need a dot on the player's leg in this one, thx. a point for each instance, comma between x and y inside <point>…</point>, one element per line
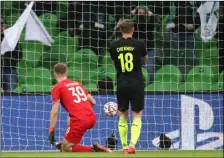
<point>66,146</point>
<point>71,147</point>
<point>123,129</point>
<point>72,139</point>
<point>74,134</point>
<point>135,130</point>
<point>137,105</point>
<point>123,105</point>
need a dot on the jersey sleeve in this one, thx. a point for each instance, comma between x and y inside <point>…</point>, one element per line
<point>144,52</point>
<point>112,54</point>
<point>55,93</point>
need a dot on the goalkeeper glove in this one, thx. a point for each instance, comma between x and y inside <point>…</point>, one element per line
<point>51,136</point>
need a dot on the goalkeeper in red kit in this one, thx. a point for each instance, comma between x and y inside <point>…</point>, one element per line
<point>78,103</point>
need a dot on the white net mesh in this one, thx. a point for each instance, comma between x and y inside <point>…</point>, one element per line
<point>184,82</point>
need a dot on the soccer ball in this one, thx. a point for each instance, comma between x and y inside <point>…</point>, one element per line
<point>110,109</point>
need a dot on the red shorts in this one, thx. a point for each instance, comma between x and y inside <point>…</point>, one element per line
<point>77,129</point>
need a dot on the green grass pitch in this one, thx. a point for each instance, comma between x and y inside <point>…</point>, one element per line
<point>164,154</point>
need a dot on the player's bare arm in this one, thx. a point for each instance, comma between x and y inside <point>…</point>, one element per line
<point>91,99</point>
<point>68,122</point>
<point>145,58</point>
<point>54,114</point>
<point>53,121</point>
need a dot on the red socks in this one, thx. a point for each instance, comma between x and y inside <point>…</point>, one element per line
<point>82,148</point>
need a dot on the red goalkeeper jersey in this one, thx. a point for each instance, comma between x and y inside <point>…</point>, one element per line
<point>73,97</point>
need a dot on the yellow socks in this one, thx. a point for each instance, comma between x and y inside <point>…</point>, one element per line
<point>135,131</point>
<point>123,131</point>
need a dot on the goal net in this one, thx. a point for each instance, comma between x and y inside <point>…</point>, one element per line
<point>183,76</point>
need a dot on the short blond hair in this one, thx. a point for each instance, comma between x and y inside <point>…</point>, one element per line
<point>126,26</point>
<point>60,68</point>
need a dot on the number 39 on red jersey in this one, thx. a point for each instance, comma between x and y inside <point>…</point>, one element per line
<point>78,93</point>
